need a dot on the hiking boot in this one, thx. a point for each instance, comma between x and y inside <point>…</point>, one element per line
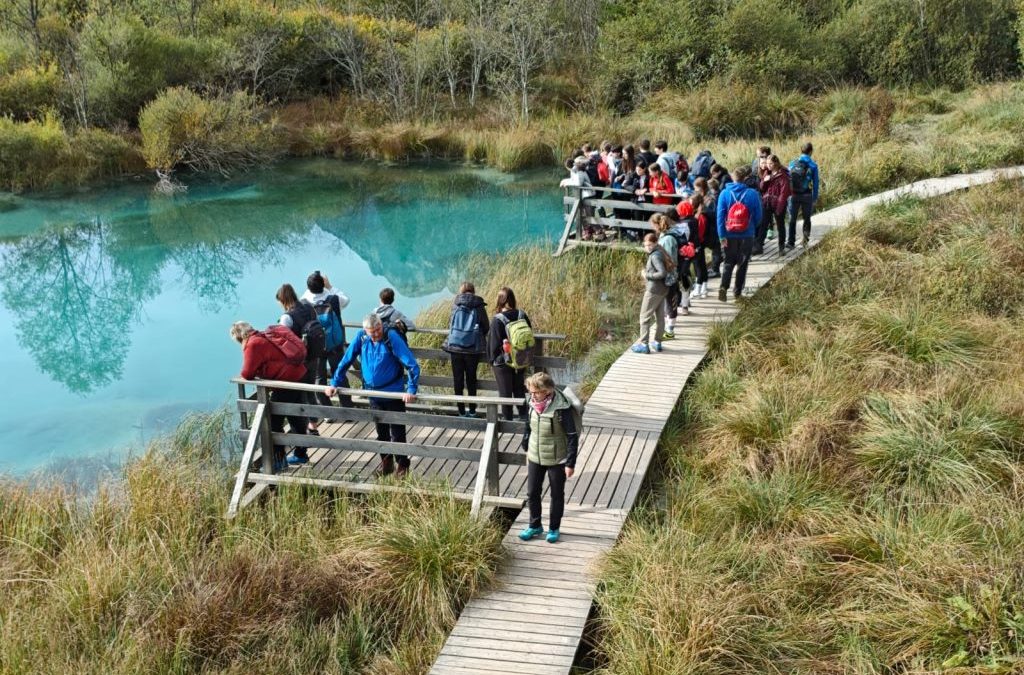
<point>790,246</point>
<point>668,335</point>
<point>402,472</point>
<point>723,294</point>
<point>553,536</point>
<point>385,468</point>
<point>656,346</point>
<point>640,348</point>
<point>758,250</point>
<point>531,532</point>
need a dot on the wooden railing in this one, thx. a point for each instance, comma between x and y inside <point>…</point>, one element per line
<point>580,212</point>
<point>540,360</point>
<point>255,411</point>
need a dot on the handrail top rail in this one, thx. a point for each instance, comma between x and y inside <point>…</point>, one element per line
<point>444,331</point>
<point>435,398</point>
<point>621,191</point>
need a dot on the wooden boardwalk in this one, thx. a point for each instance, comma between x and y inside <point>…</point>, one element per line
<point>533,620</point>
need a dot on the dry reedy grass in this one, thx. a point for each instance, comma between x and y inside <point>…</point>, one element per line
<point>153,579</point>
<point>843,488</point>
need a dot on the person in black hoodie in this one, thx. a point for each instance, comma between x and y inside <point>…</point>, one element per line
<point>511,382</point>
<point>467,335</point>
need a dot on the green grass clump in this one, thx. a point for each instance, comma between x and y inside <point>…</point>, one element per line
<point>147,575</point>
<point>841,486</point>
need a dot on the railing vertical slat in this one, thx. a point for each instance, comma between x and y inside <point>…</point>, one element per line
<point>572,219</point>
<point>243,416</point>
<point>492,469</point>
<point>486,459</point>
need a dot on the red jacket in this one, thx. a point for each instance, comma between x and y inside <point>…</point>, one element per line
<point>663,184</point>
<point>262,359</point>
<point>775,192</point>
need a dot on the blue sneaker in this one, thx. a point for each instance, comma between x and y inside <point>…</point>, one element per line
<point>552,536</point>
<point>640,348</point>
<point>656,346</point>
<point>531,532</point>
<point>294,459</point>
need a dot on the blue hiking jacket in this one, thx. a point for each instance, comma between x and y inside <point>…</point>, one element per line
<point>730,194</point>
<point>381,367</point>
<point>814,174</point>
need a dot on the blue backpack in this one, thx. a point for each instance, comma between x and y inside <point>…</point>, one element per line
<point>702,165</point>
<point>330,319</point>
<point>464,329</point>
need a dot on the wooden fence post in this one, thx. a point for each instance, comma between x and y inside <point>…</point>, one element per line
<point>492,469</point>
<point>267,443</point>
<point>487,457</point>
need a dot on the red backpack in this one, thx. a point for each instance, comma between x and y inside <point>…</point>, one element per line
<point>290,344</point>
<point>739,217</point>
<point>603,173</point>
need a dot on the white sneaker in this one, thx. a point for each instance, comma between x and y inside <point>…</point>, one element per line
<point>695,293</point>
<point>704,290</point>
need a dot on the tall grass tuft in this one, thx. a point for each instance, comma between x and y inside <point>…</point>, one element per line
<point>147,575</point>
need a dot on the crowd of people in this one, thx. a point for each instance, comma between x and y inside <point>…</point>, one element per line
<point>308,345</point>
<point>708,212</point>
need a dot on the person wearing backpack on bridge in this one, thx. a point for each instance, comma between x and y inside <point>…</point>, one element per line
<point>673,238</point>
<point>467,333</point>
<point>805,182</point>
<point>328,302</point>
<point>391,317</point>
<point>264,357</point>
<point>387,364</point>
<point>551,441</point>
<point>301,319</point>
<point>709,191</point>
<point>739,212</point>
<point>508,336</point>
<point>658,272</point>
<point>775,194</point>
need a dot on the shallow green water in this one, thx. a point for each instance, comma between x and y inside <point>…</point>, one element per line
<point>116,302</point>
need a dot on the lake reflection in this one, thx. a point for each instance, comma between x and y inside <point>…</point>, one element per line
<point>117,302</point>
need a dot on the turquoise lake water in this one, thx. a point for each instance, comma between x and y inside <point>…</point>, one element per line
<point>115,303</point>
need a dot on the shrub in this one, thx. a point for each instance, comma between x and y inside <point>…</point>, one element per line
<point>30,152</point>
<point>865,109</point>
<point>722,110</point>
<point>28,93</point>
<point>180,128</point>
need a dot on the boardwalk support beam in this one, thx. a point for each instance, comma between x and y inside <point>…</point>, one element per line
<point>250,450</point>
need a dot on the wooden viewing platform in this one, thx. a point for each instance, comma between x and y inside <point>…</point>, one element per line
<point>532,620</point>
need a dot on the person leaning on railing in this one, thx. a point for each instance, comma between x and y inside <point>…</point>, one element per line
<point>387,364</point>
<point>262,359</point>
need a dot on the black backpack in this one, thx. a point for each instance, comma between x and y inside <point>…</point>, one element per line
<point>800,177</point>
<point>306,324</point>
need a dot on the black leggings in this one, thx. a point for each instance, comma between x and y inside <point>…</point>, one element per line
<point>535,486</point>
<point>464,374</point>
<point>511,384</point>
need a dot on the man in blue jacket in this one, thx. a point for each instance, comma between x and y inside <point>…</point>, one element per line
<point>384,360</point>
<point>739,212</point>
<point>804,179</point>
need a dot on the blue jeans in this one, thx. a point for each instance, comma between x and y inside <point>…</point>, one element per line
<point>797,203</point>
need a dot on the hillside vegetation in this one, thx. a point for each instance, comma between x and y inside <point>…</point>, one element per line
<point>92,89</point>
<point>842,486</point>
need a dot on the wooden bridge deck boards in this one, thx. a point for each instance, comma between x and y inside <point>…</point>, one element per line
<point>533,619</point>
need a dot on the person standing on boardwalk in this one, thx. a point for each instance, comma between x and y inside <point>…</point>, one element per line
<point>805,182</point>
<point>739,212</point>
<point>387,364</point>
<point>262,358</point>
<point>551,441</point>
<point>511,381</point>
<point>775,194</point>
<point>467,334</point>
<point>656,274</point>
<point>300,317</point>
<point>328,302</point>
